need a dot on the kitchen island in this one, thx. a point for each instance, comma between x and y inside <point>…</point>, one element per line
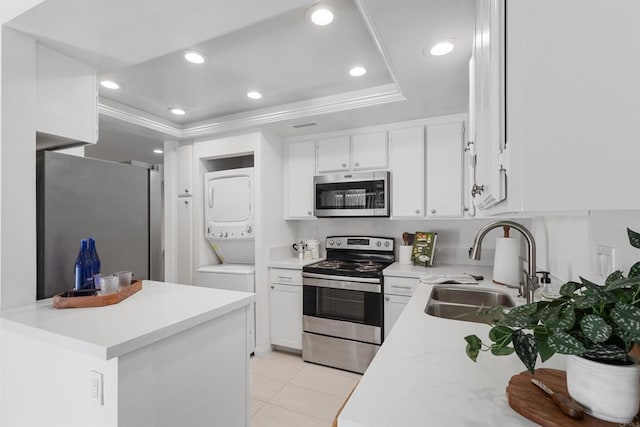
<point>422,376</point>
<point>168,355</point>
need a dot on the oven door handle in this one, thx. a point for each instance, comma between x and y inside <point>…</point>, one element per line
<point>375,288</point>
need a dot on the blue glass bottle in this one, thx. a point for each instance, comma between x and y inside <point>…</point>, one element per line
<point>83,266</point>
<point>94,260</point>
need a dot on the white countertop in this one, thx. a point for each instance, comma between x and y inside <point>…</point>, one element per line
<point>422,375</point>
<point>156,312</point>
<point>415,271</point>
<point>292,263</point>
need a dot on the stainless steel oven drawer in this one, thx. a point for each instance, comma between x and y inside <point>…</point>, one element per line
<point>342,329</point>
<point>339,353</point>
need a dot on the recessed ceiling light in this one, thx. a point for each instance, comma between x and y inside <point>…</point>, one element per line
<point>254,94</point>
<point>177,111</point>
<point>320,15</point>
<point>109,84</point>
<point>195,57</point>
<point>158,151</point>
<point>357,71</point>
<point>441,49</point>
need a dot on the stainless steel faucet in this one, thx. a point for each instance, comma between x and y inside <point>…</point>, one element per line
<point>531,279</point>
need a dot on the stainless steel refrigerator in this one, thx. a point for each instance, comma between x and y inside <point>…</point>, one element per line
<point>117,204</point>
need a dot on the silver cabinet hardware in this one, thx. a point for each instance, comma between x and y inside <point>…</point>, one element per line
<point>433,211</point>
<point>401,287</point>
<point>386,298</point>
<point>308,212</point>
<point>477,190</point>
<point>356,164</point>
<point>273,287</point>
<point>344,165</point>
<point>285,278</point>
<point>417,211</point>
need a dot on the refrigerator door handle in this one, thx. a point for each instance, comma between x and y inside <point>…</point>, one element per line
<point>211,197</point>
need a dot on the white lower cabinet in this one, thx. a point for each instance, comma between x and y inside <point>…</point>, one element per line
<point>393,306</point>
<point>286,309</point>
<point>397,292</point>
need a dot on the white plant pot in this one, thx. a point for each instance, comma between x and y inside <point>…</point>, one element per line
<point>607,392</point>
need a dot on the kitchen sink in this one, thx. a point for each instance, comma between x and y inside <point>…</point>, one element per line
<point>477,297</point>
<point>466,304</point>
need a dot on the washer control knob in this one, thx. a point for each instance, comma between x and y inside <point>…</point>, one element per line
<point>386,244</point>
<point>339,242</point>
<point>221,234</point>
<point>226,234</point>
<point>378,243</point>
<point>249,229</point>
<point>331,242</point>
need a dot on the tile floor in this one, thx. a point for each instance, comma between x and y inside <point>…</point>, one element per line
<point>287,392</point>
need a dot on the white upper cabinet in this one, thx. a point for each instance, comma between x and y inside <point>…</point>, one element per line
<point>67,100</point>
<point>369,151</point>
<point>569,110</point>
<point>184,158</point>
<point>486,99</point>
<point>406,152</point>
<point>444,169</point>
<point>300,172</point>
<point>333,154</point>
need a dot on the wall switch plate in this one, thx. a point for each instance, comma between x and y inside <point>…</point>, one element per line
<point>96,388</point>
<point>605,257</point>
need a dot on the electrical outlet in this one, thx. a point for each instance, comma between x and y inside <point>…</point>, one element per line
<point>605,257</point>
<point>96,387</point>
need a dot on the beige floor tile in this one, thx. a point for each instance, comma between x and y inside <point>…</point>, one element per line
<point>254,406</point>
<point>326,380</point>
<point>338,372</point>
<point>278,367</point>
<point>263,388</point>
<point>273,416</point>
<point>314,403</point>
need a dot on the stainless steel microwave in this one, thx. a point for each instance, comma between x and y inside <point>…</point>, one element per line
<point>352,194</point>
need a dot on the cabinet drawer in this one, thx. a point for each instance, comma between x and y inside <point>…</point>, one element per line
<point>285,276</point>
<point>400,285</point>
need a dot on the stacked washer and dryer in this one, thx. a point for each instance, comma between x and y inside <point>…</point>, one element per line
<point>229,229</point>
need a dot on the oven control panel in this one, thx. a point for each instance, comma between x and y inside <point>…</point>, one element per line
<point>359,242</point>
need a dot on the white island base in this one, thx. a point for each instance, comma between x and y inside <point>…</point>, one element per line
<point>170,355</point>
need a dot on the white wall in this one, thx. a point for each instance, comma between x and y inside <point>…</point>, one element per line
<point>18,170</point>
<point>567,244</point>
<point>271,229</point>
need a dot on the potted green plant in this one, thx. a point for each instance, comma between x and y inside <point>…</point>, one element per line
<point>595,326</point>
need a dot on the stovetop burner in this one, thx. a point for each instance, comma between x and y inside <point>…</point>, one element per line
<point>329,264</point>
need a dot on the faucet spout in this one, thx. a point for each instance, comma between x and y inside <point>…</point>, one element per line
<point>531,280</point>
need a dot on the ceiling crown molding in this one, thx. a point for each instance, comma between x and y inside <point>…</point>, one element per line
<point>313,107</point>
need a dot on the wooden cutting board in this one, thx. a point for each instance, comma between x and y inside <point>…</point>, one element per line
<point>528,400</point>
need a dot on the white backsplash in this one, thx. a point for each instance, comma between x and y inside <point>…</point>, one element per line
<point>567,244</point>
<point>454,236</point>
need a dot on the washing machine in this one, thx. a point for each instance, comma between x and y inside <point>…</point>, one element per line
<point>233,277</point>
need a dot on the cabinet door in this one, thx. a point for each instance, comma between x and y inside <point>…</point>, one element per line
<point>369,151</point>
<point>406,149</point>
<point>184,155</point>
<point>333,154</point>
<point>300,171</point>
<point>184,241</point>
<point>489,124</point>
<point>393,306</point>
<point>444,170</point>
<point>286,315</point>
<point>67,98</point>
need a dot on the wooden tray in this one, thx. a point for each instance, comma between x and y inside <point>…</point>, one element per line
<point>60,301</point>
<point>533,403</point>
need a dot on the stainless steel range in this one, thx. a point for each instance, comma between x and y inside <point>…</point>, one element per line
<point>343,302</point>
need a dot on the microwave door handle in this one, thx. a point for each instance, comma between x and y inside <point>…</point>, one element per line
<point>211,197</point>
